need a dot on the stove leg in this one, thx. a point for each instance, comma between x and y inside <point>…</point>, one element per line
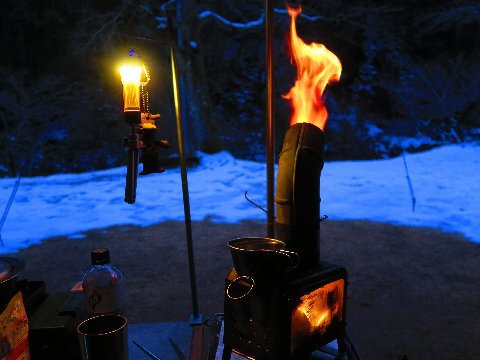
<point>342,348</point>
<point>227,352</point>
<point>346,349</point>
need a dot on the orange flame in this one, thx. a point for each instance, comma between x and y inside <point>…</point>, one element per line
<point>316,67</point>
<point>317,312</point>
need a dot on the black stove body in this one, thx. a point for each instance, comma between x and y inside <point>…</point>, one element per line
<point>288,318</point>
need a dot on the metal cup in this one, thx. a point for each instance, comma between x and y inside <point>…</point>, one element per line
<point>259,257</point>
<point>104,337</point>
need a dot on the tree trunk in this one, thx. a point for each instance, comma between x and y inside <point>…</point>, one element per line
<point>194,92</point>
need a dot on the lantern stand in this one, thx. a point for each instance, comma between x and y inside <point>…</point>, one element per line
<point>142,138</point>
<point>131,76</point>
<point>196,318</point>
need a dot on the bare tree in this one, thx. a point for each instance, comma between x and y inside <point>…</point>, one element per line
<point>30,113</point>
<point>439,92</point>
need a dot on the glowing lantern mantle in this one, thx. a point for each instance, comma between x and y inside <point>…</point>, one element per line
<point>316,67</point>
<point>131,80</point>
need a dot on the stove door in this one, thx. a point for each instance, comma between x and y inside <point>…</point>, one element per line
<point>317,317</point>
<point>315,309</point>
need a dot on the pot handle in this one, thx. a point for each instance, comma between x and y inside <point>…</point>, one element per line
<point>252,285</point>
<point>293,257</point>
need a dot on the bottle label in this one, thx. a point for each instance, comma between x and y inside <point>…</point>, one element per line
<point>102,300</point>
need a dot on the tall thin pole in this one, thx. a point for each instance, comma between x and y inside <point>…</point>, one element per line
<point>270,124</point>
<point>186,200</point>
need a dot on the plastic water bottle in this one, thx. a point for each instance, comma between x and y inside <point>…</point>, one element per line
<point>102,286</point>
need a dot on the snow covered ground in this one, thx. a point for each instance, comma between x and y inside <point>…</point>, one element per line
<point>446,183</point>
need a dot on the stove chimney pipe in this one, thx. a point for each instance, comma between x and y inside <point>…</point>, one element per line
<point>298,191</point>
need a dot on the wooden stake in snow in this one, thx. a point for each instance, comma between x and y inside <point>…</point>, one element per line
<point>410,186</point>
<point>7,208</point>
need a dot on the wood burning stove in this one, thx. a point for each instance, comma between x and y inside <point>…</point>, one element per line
<point>281,301</point>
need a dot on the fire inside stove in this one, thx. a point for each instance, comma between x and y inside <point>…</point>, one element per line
<point>318,313</point>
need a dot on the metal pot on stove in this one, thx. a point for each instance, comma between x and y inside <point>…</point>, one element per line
<point>259,257</point>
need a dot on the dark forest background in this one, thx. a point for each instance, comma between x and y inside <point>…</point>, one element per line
<point>410,80</point>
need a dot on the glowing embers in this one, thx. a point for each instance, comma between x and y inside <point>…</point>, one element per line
<point>316,67</point>
<point>316,313</point>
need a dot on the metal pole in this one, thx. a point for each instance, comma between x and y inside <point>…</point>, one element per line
<point>270,125</point>
<point>186,201</point>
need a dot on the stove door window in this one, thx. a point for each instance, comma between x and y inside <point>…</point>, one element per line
<point>315,316</point>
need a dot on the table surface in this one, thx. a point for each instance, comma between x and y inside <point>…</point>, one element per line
<point>156,338</point>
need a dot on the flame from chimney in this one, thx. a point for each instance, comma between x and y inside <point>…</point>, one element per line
<point>316,67</point>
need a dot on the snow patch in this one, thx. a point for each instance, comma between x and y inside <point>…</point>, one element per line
<point>445,180</point>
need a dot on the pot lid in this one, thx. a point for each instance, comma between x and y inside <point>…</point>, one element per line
<point>10,268</point>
